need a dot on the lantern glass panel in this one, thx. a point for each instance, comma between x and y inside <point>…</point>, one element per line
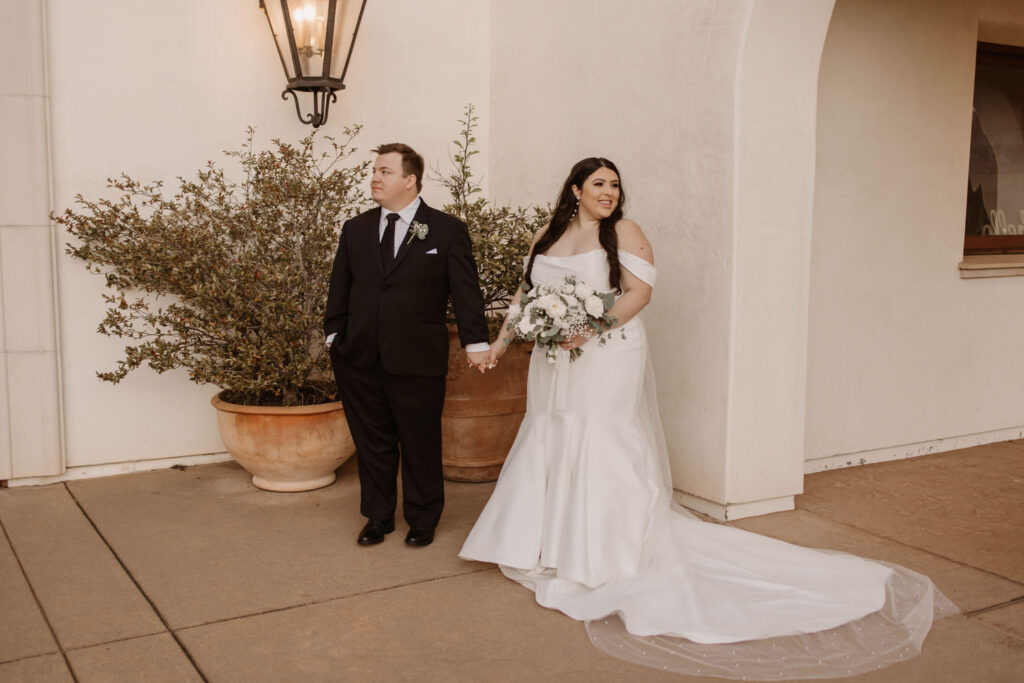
<point>280,30</point>
<point>309,24</point>
<point>345,22</point>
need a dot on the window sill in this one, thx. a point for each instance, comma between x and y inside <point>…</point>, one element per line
<point>992,265</point>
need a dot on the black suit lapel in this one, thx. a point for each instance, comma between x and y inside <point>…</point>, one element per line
<point>420,217</point>
<point>372,230</point>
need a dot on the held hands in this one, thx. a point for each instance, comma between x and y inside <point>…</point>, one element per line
<point>498,350</point>
<point>481,360</point>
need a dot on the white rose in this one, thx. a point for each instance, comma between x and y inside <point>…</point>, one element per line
<point>568,288</point>
<point>583,290</point>
<point>524,327</point>
<point>594,306</point>
<point>546,300</point>
<point>556,309</point>
<point>514,310</point>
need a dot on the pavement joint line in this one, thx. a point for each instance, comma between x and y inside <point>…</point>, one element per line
<point>990,608</point>
<point>337,598</point>
<point>39,604</point>
<point>28,657</point>
<point>909,545</point>
<point>124,568</point>
<point>115,640</point>
<point>21,659</point>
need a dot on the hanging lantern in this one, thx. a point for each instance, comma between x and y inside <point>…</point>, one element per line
<point>314,40</point>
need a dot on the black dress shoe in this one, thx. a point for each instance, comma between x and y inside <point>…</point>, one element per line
<point>420,535</point>
<point>375,531</point>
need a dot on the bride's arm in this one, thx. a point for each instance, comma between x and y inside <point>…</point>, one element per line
<point>635,292</point>
<point>507,336</point>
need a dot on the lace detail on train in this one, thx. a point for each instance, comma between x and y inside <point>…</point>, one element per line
<point>582,514</point>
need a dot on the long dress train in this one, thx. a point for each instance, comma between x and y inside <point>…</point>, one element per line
<point>582,514</point>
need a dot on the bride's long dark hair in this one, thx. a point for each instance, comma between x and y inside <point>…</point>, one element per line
<point>565,208</point>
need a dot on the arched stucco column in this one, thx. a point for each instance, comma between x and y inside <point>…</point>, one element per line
<point>774,155</point>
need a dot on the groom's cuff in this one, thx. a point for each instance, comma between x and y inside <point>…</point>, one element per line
<point>477,347</point>
<point>330,338</point>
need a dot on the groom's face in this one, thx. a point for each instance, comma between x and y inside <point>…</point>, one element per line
<point>389,187</point>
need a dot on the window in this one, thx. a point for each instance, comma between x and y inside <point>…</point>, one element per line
<point>995,184</point>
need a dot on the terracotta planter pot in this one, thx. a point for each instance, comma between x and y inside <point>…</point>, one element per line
<point>286,449</point>
<point>482,412</point>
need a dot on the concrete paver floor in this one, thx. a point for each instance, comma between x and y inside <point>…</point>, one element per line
<point>190,575</point>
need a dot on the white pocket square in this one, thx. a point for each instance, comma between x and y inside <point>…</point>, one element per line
<point>432,251</point>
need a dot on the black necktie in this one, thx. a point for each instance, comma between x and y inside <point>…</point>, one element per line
<point>387,242</point>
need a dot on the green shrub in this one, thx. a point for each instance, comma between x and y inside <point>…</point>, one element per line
<point>228,278</point>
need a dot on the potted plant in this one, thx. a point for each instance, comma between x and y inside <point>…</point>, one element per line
<point>482,413</point>
<point>228,280</point>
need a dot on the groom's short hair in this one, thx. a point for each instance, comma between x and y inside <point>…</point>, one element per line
<point>412,163</point>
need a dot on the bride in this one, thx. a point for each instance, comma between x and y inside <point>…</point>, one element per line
<point>582,513</point>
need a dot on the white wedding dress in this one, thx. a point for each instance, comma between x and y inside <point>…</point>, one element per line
<point>582,514</point>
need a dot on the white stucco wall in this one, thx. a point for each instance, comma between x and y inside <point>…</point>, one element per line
<point>155,90</point>
<point>652,89</point>
<point>902,352</point>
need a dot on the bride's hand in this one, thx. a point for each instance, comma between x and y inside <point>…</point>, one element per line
<point>575,341</point>
<point>498,350</point>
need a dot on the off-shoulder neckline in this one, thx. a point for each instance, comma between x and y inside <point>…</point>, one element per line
<point>584,253</point>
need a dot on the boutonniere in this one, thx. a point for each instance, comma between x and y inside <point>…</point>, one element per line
<point>418,230</point>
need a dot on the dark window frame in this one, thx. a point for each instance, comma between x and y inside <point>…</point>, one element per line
<point>1003,55</point>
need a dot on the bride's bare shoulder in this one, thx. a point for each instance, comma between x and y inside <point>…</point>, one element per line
<point>633,240</point>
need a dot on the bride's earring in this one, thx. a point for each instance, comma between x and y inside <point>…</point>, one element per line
<point>575,209</point>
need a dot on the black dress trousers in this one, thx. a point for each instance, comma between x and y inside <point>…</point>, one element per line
<point>384,410</point>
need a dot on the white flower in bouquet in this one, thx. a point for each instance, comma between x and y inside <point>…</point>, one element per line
<point>556,309</point>
<point>594,306</point>
<point>524,327</point>
<point>583,290</point>
<point>568,288</point>
<point>571,301</point>
<point>545,300</point>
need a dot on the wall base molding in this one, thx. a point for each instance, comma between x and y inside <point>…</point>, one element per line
<point>911,450</point>
<point>727,512</point>
<point>108,469</point>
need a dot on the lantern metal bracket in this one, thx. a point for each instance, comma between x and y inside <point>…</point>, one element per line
<point>322,99</point>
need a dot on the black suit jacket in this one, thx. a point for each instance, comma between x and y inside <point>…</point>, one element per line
<point>399,316</point>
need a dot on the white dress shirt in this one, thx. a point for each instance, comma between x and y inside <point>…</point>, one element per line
<point>405,217</point>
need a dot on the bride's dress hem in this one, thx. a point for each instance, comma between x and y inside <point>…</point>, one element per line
<point>582,514</point>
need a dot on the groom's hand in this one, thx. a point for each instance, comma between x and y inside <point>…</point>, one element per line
<point>479,359</point>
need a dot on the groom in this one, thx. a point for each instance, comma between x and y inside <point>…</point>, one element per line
<point>395,268</point>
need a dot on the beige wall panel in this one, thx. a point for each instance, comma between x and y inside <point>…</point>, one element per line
<point>25,268</point>
<point>5,423</point>
<point>901,350</point>
<point>34,415</point>
<point>24,185</point>
<point>21,40</point>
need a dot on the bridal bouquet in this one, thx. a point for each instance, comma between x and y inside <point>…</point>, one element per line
<point>549,314</point>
